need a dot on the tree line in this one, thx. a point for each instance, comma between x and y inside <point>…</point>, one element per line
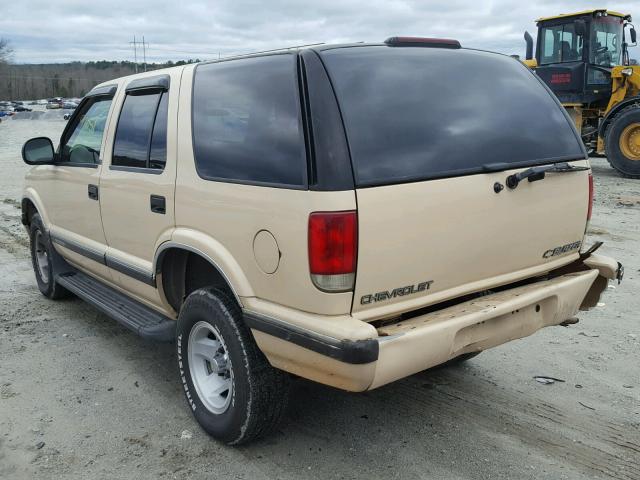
<point>73,79</point>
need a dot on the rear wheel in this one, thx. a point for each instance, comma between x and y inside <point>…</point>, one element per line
<point>234,393</point>
<point>622,142</point>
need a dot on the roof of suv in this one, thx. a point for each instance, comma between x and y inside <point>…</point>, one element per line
<point>392,42</point>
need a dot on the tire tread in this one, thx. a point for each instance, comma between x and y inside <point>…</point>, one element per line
<point>268,387</point>
<point>634,106</point>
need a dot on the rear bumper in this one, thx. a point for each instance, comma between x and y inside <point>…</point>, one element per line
<point>413,345</point>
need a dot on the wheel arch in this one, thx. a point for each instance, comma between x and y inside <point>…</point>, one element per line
<point>32,204</point>
<point>607,119</point>
<point>181,268</point>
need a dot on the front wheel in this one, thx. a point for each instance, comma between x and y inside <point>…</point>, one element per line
<point>622,142</point>
<point>42,259</point>
<point>233,392</point>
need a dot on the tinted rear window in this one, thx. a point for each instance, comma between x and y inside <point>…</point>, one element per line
<point>420,113</point>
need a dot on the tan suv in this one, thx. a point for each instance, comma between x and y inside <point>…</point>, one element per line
<point>351,214</point>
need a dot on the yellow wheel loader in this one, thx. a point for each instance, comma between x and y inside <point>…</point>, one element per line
<point>583,58</point>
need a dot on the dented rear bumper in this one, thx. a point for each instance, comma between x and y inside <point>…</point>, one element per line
<point>423,341</point>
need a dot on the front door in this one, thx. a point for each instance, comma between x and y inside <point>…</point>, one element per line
<point>137,187</point>
<point>72,193</point>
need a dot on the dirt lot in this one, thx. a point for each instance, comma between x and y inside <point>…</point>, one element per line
<point>81,397</point>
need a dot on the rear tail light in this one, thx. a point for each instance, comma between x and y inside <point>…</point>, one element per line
<point>590,207</point>
<point>333,250</point>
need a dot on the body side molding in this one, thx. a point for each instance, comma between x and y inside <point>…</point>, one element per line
<point>355,352</point>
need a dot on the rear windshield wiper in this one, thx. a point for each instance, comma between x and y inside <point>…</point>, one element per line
<point>538,173</point>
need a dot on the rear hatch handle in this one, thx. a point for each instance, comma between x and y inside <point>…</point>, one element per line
<point>538,173</point>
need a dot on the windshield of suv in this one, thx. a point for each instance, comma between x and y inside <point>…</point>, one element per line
<point>560,44</point>
<point>606,41</point>
<point>417,113</point>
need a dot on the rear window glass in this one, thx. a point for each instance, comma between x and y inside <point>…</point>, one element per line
<point>418,113</point>
<point>246,125</point>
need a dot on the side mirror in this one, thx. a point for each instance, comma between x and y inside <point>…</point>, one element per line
<point>38,151</point>
<point>581,27</point>
<point>632,34</point>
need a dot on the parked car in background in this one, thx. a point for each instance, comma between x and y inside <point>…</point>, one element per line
<point>67,105</point>
<point>53,106</point>
<point>21,108</point>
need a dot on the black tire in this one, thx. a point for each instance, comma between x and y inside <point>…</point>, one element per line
<point>259,393</point>
<point>43,251</point>
<point>625,166</point>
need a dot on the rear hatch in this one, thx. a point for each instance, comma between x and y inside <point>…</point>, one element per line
<point>433,134</point>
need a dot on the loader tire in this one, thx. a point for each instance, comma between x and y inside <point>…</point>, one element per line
<point>622,142</point>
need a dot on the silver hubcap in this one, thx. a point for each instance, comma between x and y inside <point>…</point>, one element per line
<point>210,367</point>
<point>42,258</point>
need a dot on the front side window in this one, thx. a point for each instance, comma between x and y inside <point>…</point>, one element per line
<point>246,125</point>
<point>561,44</point>
<point>83,143</point>
<point>141,135</point>
<point>606,41</point>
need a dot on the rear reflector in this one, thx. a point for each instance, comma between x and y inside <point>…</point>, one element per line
<point>333,250</point>
<point>422,42</point>
<point>591,193</point>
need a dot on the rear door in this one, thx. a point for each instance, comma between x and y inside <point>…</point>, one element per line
<point>137,187</point>
<point>433,134</point>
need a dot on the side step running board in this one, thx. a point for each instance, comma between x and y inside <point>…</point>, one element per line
<point>143,320</point>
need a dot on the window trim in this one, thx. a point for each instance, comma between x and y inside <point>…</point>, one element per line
<point>125,168</point>
<point>139,92</point>
<point>157,82</point>
<point>103,93</point>
<point>541,42</point>
<point>304,147</point>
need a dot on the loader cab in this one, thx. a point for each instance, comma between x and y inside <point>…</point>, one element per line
<point>575,54</point>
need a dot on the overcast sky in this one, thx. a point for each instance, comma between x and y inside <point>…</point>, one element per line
<point>64,30</point>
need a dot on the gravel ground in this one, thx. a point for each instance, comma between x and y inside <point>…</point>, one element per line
<point>81,397</point>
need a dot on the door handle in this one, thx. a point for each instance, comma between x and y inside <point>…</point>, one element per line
<point>92,191</point>
<point>158,204</point>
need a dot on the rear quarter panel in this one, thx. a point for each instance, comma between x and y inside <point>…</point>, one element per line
<point>230,215</point>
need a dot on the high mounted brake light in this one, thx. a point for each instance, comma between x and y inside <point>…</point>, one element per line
<point>422,42</point>
<point>333,250</point>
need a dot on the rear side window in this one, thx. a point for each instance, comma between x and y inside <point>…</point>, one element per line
<point>141,136</point>
<point>158,149</point>
<point>246,122</point>
<point>419,113</point>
